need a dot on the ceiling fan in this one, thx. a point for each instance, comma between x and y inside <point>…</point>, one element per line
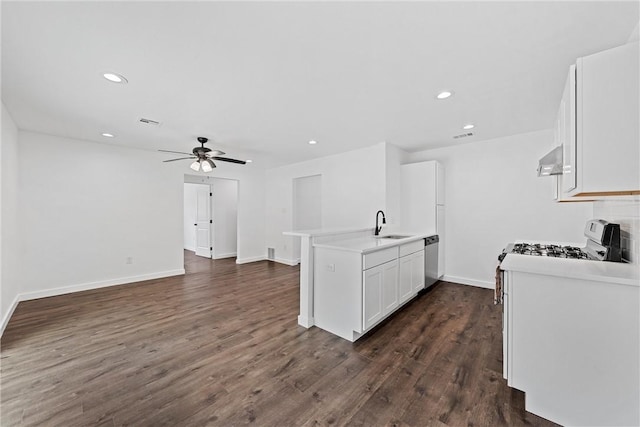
<point>203,157</point>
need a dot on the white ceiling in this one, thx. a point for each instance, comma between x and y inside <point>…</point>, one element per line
<point>263,78</point>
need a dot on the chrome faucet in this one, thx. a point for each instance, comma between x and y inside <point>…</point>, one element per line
<point>384,221</point>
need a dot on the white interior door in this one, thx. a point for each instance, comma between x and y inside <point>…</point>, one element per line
<point>203,221</point>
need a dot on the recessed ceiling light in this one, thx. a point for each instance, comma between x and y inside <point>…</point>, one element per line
<point>312,142</point>
<point>444,94</point>
<point>115,78</point>
<point>107,135</point>
<point>468,126</point>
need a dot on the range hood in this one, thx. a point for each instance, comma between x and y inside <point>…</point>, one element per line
<point>551,163</point>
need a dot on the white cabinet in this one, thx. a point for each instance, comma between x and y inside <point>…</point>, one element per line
<point>602,152</point>
<point>389,287</point>
<point>405,286</point>
<point>440,215</point>
<point>380,292</point>
<point>421,191</point>
<point>567,132</point>
<point>422,202</point>
<point>417,270</point>
<point>372,296</point>
<point>411,265</point>
<point>353,292</point>
<point>572,346</point>
<point>411,275</point>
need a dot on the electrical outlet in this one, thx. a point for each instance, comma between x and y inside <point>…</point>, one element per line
<point>331,267</point>
<point>129,260</point>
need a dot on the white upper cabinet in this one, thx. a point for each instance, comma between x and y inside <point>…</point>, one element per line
<point>607,144</point>
<point>565,135</point>
<point>422,202</point>
<point>439,184</point>
<point>567,131</point>
<point>422,191</point>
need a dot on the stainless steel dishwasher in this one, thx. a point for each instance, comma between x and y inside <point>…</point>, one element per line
<point>431,260</point>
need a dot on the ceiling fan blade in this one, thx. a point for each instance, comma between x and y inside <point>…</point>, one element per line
<point>181,158</point>
<point>176,152</point>
<point>226,159</point>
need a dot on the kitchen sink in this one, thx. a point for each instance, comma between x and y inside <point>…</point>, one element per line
<point>393,236</point>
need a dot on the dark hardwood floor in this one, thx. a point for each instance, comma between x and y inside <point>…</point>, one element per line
<point>221,346</point>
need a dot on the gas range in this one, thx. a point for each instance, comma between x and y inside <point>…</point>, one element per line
<point>603,244</point>
<point>557,251</point>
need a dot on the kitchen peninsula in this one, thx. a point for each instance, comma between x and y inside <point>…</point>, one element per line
<point>350,280</point>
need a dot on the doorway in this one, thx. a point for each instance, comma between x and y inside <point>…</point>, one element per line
<point>211,216</point>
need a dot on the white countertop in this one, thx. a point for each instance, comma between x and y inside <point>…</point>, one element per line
<point>600,271</point>
<point>369,244</point>
<point>325,231</point>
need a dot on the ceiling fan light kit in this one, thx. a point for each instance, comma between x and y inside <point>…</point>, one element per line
<point>203,157</point>
<point>207,165</point>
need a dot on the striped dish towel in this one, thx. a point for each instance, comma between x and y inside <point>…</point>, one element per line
<point>497,296</point>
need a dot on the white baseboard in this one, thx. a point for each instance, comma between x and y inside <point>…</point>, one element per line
<point>9,313</point>
<point>250,259</point>
<point>290,262</point>
<point>96,285</point>
<point>192,249</point>
<point>470,282</point>
<point>227,255</point>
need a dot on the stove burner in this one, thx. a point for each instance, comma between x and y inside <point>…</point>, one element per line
<point>549,250</point>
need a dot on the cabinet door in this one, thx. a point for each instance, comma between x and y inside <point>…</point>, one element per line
<point>607,122</point>
<point>439,184</point>
<point>372,296</point>
<point>568,136</point>
<point>505,326</point>
<point>389,287</point>
<point>441,243</point>
<point>418,196</point>
<point>417,271</point>
<point>405,285</point>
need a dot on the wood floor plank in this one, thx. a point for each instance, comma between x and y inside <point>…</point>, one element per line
<point>220,346</point>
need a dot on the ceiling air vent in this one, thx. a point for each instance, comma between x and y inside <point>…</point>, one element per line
<point>463,135</point>
<point>149,121</point>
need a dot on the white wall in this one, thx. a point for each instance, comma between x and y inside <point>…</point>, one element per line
<point>394,158</point>
<point>493,197</point>
<point>72,225</point>
<point>307,207</point>
<point>625,212</point>
<point>225,217</point>
<point>9,236</point>
<point>635,34</point>
<point>353,189</point>
<point>92,207</point>
<point>189,217</point>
